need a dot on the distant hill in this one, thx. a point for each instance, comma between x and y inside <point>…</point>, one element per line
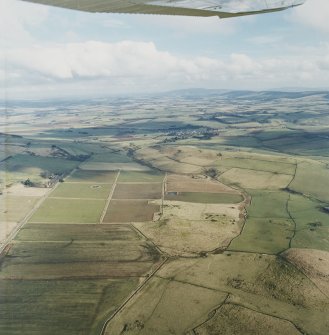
<point>195,93</point>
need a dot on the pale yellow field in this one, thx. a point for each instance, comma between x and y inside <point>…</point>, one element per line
<point>15,208</point>
<point>21,190</point>
<point>179,183</point>
<point>314,263</point>
<point>6,228</point>
<point>233,319</point>
<point>188,228</point>
<point>191,155</point>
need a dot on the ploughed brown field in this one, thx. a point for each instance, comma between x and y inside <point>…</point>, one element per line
<point>130,211</point>
<point>138,191</point>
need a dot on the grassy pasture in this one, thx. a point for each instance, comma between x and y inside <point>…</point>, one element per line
<point>312,223</point>
<point>86,176</point>
<point>308,146</point>
<point>254,156</point>
<point>140,176</point>
<point>242,141</point>
<point>165,307</point>
<point>81,190</point>
<point>255,179</point>
<point>138,191</point>
<point>110,157</point>
<point>268,227</point>
<point>22,166</point>
<point>314,263</point>
<point>312,178</point>
<point>264,235</point>
<point>268,204</point>
<point>66,307</point>
<point>295,143</point>
<point>205,198</point>
<point>130,211</point>
<point>257,164</point>
<point>72,211</point>
<point>263,283</point>
<point>232,319</point>
<point>76,149</point>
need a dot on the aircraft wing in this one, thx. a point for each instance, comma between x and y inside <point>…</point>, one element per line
<point>220,8</point>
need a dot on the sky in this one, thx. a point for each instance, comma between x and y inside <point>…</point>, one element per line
<point>50,52</point>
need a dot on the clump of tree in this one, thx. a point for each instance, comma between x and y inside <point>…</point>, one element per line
<point>211,172</point>
<point>28,183</point>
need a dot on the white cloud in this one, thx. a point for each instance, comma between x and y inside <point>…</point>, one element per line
<point>314,13</point>
<point>141,66</point>
<point>16,18</point>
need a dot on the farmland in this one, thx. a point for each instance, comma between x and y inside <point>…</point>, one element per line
<point>200,214</point>
<point>76,268</point>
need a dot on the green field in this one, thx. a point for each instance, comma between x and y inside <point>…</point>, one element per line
<point>81,190</point>
<point>312,223</point>
<point>257,164</point>
<point>85,176</point>
<point>264,236</point>
<point>268,228</point>
<point>21,167</point>
<point>268,204</point>
<point>205,198</point>
<point>69,211</point>
<point>312,179</point>
<point>253,179</point>
<point>110,157</point>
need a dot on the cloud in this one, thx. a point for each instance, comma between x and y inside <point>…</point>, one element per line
<point>16,20</point>
<point>314,13</point>
<point>142,67</point>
